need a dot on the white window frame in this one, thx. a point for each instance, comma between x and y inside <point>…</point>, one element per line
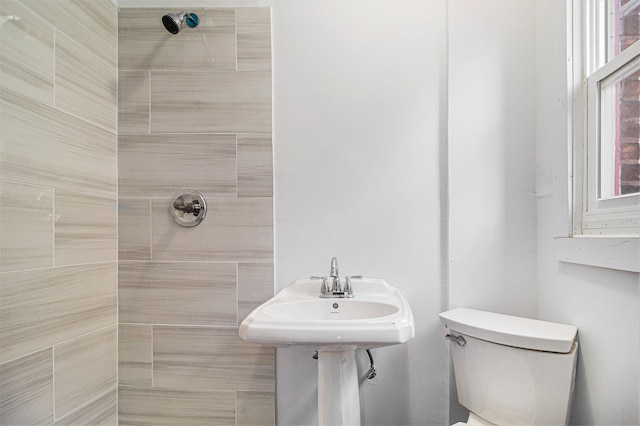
<point>619,215</point>
<point>610,216</point>
<point>604,233</point>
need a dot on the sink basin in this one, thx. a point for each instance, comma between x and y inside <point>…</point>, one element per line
<point>329,310</point>
<point>377,315</point>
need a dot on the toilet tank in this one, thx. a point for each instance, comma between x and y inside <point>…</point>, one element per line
<point>512,370</point>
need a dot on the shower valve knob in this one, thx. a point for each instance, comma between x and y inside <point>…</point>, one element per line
<point>188,208</point>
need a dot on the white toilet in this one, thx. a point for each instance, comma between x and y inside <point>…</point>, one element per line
<point>511,370</point>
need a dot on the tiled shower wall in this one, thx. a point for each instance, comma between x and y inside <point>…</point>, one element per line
<point>194,113</point>
<point>58,212</point>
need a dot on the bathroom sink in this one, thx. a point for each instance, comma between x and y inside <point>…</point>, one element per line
<point>377,315</point>
<point>309,314</point>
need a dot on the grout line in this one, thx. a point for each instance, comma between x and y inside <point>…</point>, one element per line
<point>55,74</point>
<point>59,110</point>
<point>236,174</point>
<point>150,229</point>
<point>152,357</point>
<point>220,262</point>
<point>74,265</point>
<point>235,394</point>
<point>94,59</point>
<point>149,324</point>
<point>88,333</point>
<point>113,197</point>
<point>53,227</point>
<point>91,401</point>
<point>25,355</point>
<point>207,326</point>
<point>149,103</point>
<point>53,380</point>
<point>235,34</point>
<point>117,146</point>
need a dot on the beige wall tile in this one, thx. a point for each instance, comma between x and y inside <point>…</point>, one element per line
<point>26,52</point>
<point>86,85</point>
<point>72,154</point>
<point>135,355</point>
<point>193,293</point>
<point>255,165</point>
<point>163,407</point>
<point>101,412</point>
<point>211,102</point>
<point>144,43</point>
<point>26,390</point>
<point>94,23</point>
<point>254,38</point>
<point>255,286</point>
<point>26,227</point>
<point>85,368</point>
<point>39,308</point>
<point>133,102</point>
<point>86,228</point>
<point>44,147</point>
<point>255,408</point>
<point>134,229</point>
<point>210,359</point>
<point>233,230</point>
<point>161,165</point>
<point>179,117</point>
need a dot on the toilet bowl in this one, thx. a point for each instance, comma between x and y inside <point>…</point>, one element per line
<point>511,370</point>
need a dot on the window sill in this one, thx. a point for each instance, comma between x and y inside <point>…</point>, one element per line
<point>604,252</point>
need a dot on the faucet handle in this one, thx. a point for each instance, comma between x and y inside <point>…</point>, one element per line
<point>348,288</point>
<point>324,287</point>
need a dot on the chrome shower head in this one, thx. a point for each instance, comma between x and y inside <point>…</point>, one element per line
<point>173,23</point>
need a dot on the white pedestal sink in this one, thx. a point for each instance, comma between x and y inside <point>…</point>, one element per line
<point>377,315</point>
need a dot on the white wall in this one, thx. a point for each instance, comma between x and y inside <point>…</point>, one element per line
<point>603,303</point>
<point>359,120</point>
<point>491,150</point>
<point>492,218</point>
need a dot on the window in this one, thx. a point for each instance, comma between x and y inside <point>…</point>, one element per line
<point>607,119</point>
<point>602,198</point>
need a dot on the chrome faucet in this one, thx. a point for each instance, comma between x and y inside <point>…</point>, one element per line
<point>333,273</point>
<point>336,290</point>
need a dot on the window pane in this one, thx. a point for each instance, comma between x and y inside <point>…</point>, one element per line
<point>619,172</point>
<point>627,29</point>
<point>619,142</point>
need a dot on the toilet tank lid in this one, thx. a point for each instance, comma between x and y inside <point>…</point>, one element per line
<point>508,330</point>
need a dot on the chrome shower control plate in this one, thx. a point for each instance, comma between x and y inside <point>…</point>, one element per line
<point>188,208</point>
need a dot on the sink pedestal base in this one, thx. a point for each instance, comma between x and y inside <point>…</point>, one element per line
<point>338,393</point>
